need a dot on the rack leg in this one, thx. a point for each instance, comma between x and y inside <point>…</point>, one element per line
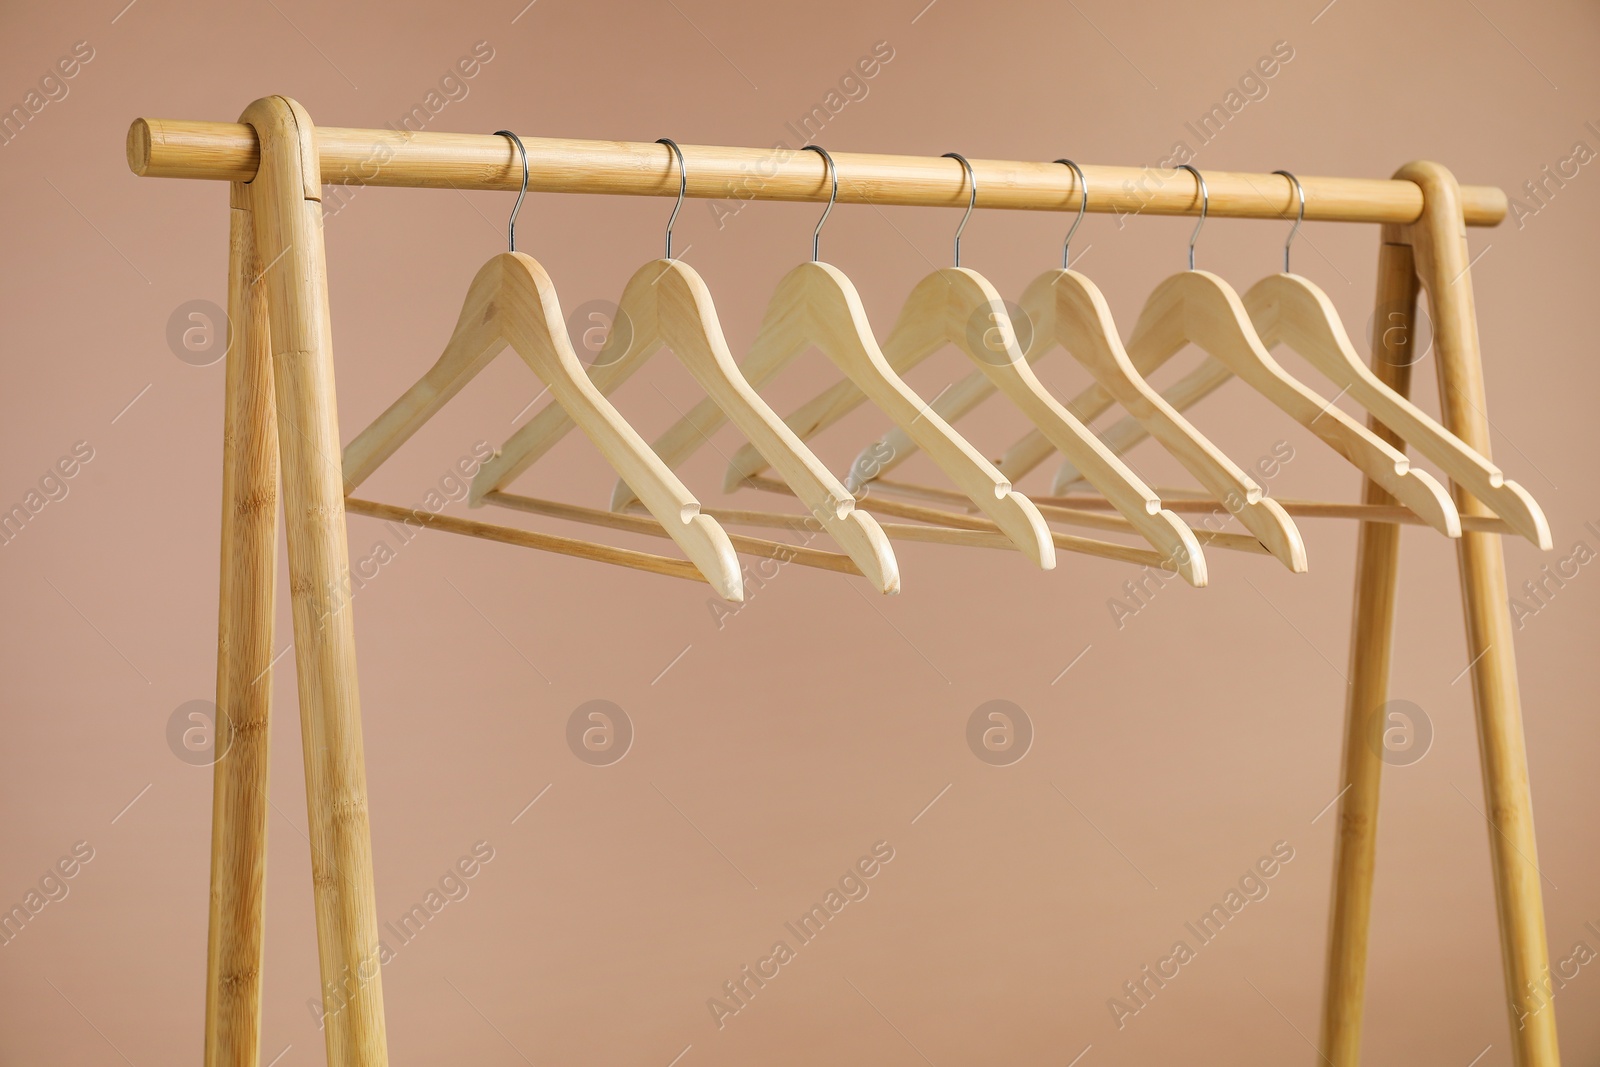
<point>244,659</point>
<point>1439,241</point>
<point>1371,634</point>
<point>284,200</point>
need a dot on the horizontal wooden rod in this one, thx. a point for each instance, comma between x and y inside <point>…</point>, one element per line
<point>1306,509</point>
<point>943,522</point>
<point>1186,501</point>
<point>895,531</point>
<point>650,526</point>
<point>1081,517</point>
<point>1087,546</point>
<point>565,546</point>
<point>230,151</point>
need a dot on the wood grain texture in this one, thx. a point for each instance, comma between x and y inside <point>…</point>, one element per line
<point>1444,266</point>
<point>244,663</point>
<point>1371,646</point>
<point>288,227</point>
<point>173,148</point>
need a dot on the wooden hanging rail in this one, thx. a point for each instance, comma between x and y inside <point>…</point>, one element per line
<point>231,152</point>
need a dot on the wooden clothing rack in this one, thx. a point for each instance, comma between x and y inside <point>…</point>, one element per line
<point>280,374</point>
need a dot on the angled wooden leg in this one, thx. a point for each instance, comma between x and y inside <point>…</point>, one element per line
<point>244,661</point>
<point>1371,633</point>
<point>285,205</point>
<point>1440,244</point>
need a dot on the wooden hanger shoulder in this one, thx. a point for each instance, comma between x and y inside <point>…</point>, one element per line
<point>512,301</point>
<point>687,320</point>
<point>530,317</point>
<point>1127,432</point>
<point>473,344</point>
<point>842,331</point>
<point>817,305</point>
<point>977,322</point>
<point>919,330</point>
<point>666,305</point>
<point>1081,322</point>
<point>917,333</point>
<point>1065,309</point>
<point>628,344</point>
<point>1199,307</point>
<point>1290,309</point>
<point>813,308</point>
<point>1040,302</point>
<point>782,336</point>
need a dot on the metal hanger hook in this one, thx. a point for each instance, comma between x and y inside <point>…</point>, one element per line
<point>1300,191</point>
<point>683,187</point>
<point>1083,206</point>
<point>511,227</point>
<point>972,200</point>
<point>833,196</point>
<point>1205,204</point>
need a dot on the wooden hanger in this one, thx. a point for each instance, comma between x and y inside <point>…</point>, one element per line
<point>1067,310</point>
<point>512,302</point>
<point>1031,451</point>
<point>666,304</point>
<point>1198,307</point>
<point>957,306</point>
<point>816,305</point>
<point>1289,309</point>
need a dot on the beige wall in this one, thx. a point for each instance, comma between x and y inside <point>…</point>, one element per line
<point>774,751</point>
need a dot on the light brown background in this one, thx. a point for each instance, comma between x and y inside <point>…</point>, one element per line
<point>818,720</point>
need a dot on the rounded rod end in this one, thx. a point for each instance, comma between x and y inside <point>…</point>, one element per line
<point>139,147</point>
